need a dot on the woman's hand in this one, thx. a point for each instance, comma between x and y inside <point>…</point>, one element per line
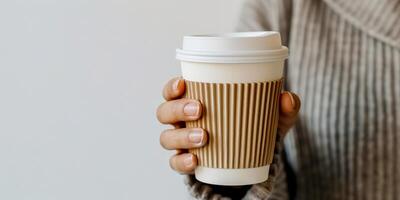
<point>176,110</point>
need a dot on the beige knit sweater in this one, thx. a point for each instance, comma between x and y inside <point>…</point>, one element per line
<point>345,65</point>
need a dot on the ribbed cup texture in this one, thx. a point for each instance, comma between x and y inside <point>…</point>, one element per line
<point>241,120</point>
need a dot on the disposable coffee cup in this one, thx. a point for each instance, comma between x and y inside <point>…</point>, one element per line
<point>238,78</point>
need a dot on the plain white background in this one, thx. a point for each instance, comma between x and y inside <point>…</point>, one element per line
<point>79,84</point>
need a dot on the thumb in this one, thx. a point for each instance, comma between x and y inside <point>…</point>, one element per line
<point>289,108</point>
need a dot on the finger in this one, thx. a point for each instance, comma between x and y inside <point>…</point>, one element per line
<point>184,138</point>
<point>289,104</point>
<point>183,163</point>
<point>179,110</point>
<point>174,89</point>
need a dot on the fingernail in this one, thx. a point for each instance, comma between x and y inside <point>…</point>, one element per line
<point>191,109</point>
<point>292,100</point>
<point>176,84</point>
<point>188,161</point>
<point>196,137</point>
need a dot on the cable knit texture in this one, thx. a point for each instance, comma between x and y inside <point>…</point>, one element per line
<point>345,65</point>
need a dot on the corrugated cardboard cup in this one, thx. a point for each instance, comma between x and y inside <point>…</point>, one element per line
<point>238,79</point>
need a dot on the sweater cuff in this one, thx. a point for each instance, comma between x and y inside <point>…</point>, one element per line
<point>203,191</point>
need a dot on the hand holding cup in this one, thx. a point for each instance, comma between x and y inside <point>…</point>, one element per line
<point>180,139</point>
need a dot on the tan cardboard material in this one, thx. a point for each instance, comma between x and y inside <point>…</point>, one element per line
<point>241,120</point>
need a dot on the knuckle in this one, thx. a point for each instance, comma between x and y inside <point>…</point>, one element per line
<point>172,163</point>
<point>163,114</point>
<point>165,93</point>
<point>163,138</point>
<point>159,112</point>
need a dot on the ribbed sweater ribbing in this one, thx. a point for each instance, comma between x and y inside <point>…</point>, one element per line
<point>345,66</point>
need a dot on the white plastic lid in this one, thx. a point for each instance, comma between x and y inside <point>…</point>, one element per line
<point>243,47</point>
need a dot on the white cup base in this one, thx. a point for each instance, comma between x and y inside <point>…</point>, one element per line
<point>232,177</point>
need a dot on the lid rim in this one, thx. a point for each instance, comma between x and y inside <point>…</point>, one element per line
<point>256,56</point>
<point>282,50</point>
<point>232,35</point>
<point>238,60</point>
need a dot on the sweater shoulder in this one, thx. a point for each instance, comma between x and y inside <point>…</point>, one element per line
<point>266,15</point>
